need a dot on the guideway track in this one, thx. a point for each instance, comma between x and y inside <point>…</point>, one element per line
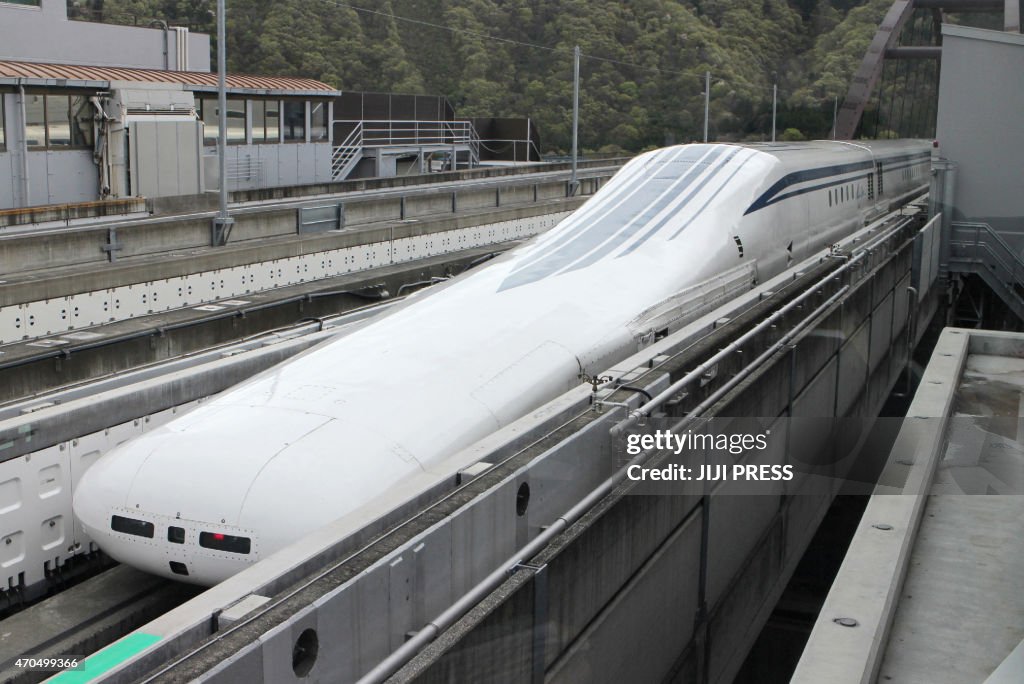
<point>204,658</point>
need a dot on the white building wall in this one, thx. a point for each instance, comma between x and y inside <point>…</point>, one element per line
<point>272,165</point>
<point>979,127</point>
<point>44,34</point>
<point>60,177</point>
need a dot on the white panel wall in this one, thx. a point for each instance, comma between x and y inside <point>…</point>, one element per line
<point>38,531</point>
<point>52,316</point>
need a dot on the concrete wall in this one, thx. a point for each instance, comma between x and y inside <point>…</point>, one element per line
<point>979,123</point>
<point>44,34</point>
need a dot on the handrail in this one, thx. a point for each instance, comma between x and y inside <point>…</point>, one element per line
<point>978,226</point>
<point>991,253</point>
<point>401,133</point>
<point>1015,268</point>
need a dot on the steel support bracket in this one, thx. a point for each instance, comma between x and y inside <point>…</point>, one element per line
<point>221,230</point>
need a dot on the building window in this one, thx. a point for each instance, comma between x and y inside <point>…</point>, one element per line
<point>35,121</point>
<point>58,121</point>
<point>3,138</point>
<point>266,121</point>
<point>208,115</point>
<point>318,122</point>
<point>236,120</point>
<point>81,121</point>
<point>294,121</point>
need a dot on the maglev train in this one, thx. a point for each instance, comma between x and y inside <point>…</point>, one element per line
<point>355,420</point>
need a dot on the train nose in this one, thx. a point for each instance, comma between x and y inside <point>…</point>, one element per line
<point>169,501</point>
<point>99,506</point>
<point>185,550</point>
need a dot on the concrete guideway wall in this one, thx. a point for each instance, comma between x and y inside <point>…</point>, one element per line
<point>746,569</point>
<point>611,586</point>
<point>36,307</point>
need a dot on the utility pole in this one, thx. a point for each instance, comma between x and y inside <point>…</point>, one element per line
<point>707,101</point>
<point>573,183</point>
<point>222,223</point>
<point>775,101</point>
<point>835,113</point>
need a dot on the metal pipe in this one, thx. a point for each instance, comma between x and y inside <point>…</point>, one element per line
<point>167,55</point>
<point>222,104</point>
<point>676,387</point>
<point>25,183</point>
<point>947,169</point>
<point>775,348</point>
<point>409,649</point>
<point>911,324</point>
<point>914,52</point>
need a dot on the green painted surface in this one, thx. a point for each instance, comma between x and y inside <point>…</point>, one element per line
<point>107,659</point>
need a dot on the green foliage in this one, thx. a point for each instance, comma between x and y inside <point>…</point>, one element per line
<point>642,74</point>
<point>792,134</point>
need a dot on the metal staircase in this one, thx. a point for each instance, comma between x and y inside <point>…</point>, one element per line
<point>978,248</point>
<point>346,155</point>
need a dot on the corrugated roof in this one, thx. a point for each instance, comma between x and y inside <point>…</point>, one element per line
<point>196,78</point>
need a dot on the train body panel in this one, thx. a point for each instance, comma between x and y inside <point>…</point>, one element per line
<point>341,425</point>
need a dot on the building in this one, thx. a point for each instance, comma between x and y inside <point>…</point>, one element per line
<point>95,112</point>
<point>91,127</point>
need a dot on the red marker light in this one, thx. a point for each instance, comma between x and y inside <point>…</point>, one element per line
<point>218,536</point>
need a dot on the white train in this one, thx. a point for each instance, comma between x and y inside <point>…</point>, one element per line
<point>358,419</point>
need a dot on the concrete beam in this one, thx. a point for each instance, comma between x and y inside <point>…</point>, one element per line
<point>914,52</point>
<point>961,5</point>
<point>849,638</point>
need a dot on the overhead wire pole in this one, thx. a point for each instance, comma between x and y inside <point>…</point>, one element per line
<point>835,115</point>
<point>775,101</point>
<point>222,223</point>
<point>573,183</point>
<point>707,101</point>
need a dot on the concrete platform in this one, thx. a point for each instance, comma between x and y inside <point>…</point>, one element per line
<point>930,590</point>
<point>961,611</point>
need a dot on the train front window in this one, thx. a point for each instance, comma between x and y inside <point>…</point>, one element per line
<point>139,528</point>
<point>225,542</point>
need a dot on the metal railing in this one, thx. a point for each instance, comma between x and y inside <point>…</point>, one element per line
<point>978,248</point>
<point>503,145</point>
<point>429,135</point>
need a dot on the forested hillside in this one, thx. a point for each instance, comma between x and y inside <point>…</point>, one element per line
<point>642,70</point>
